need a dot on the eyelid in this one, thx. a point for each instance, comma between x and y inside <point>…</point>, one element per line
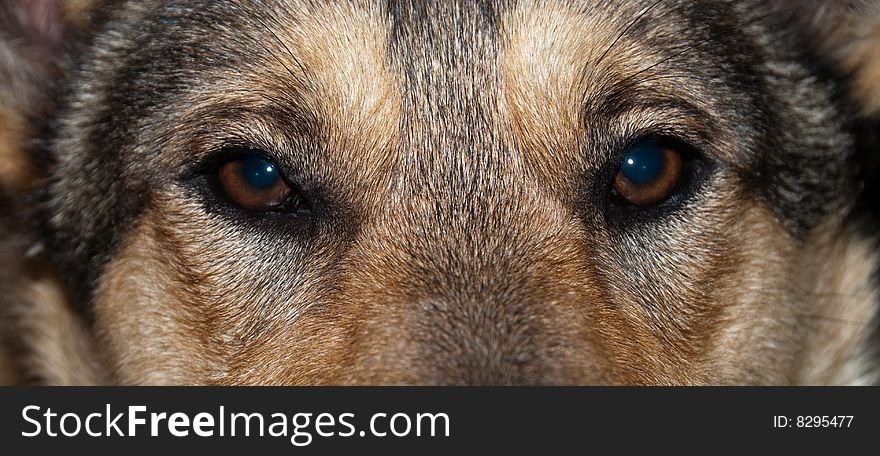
<point>697,171</point>
<point>688,149</point>
<point>656,190</point>
<point>243,193</point>
<point>676,121</point>
<point>288,140</point>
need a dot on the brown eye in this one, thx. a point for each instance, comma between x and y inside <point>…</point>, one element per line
<point>648,174</point>
<point>254,182</point>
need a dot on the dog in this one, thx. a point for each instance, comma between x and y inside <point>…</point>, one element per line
<point>278,192</point>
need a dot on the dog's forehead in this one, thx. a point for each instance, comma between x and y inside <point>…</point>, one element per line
<point>470,61</point>
<point>441,82</point>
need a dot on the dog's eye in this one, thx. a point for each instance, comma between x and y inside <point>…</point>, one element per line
<point>255,183</point>
<point>648,174</point>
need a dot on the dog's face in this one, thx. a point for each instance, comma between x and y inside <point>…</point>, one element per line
<point>283,192</point>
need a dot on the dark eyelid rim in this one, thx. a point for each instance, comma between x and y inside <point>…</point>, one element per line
<point>216,141</point>
<point>287,137</point>
<point>692,138</point>
<point>622,218</point>
<point>668,114</point>
<point>213,161</point>
<point>668,137</point>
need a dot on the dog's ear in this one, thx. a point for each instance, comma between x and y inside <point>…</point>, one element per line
<point>847,34</point>
<point>31,43</point>
<point>32,20</point>
<point>35,44</point>
<point>41,29</point>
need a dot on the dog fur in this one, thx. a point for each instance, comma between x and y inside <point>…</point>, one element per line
<point>456,156</point>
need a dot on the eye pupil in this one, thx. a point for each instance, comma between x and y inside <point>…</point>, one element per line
<point>649,172</point>
<point>259,172</point>
<point>255,183</point>
<point>643,162</point>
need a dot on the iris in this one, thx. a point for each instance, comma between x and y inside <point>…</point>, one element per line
<point>643,162</point>
<point>259,172</point>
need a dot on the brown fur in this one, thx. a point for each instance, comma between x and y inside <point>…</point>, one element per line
<point>491,273</point>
